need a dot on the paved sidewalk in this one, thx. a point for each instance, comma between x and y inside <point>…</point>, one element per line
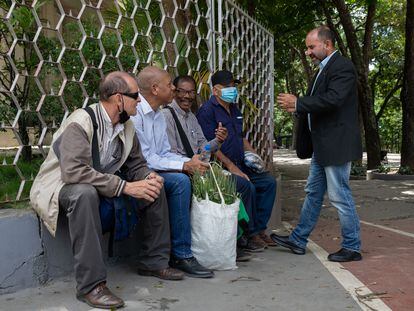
<point>386,210</point>
<point>277,279</point>
<point>274,280</point>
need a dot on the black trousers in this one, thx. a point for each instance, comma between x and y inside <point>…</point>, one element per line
<point>80,203</point>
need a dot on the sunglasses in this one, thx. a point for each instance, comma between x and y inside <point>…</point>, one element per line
<point>131,95</point>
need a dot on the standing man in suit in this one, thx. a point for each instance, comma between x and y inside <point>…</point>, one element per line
<point>329,134</point>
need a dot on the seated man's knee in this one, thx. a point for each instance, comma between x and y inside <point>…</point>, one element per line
<point>177,183</point>
<point>183,182</point>
<point>243,185</point>
<point>84,191</point>
<point>183,179</point>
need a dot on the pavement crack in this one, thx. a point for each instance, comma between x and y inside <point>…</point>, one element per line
<point>245,278</point>
<point>11,274</point>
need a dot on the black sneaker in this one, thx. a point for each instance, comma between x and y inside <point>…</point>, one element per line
<point>243,256</point>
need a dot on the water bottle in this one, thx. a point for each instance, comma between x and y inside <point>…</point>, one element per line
<point>206,154</point>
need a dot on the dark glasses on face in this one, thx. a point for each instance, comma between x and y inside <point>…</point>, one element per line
<point>131,95</point>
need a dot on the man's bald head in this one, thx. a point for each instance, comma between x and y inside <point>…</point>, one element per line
<point>323,34</point>
<point>148,77</point>
<point>115,82</point>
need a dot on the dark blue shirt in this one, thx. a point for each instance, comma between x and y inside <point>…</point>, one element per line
<point>209,116</point>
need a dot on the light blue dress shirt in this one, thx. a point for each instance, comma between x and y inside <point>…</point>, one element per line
<point>151,130</point>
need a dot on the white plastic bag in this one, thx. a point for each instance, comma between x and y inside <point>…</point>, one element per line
<point>214,232</point>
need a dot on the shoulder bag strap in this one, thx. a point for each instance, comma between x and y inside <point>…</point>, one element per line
<point>95,149</point>
<point>184,139</point>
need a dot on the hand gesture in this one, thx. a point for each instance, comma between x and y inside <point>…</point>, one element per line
<point>221,133</point>
<point>287,102</point>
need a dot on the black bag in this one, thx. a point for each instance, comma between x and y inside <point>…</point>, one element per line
<point>304,148</point>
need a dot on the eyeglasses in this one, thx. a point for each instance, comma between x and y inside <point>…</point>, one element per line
<point>183,92</point>
<point>131,95</point>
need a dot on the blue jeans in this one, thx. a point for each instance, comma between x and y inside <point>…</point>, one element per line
<point>258,196</point>
<point>178,191</point>
<point>335,180</point>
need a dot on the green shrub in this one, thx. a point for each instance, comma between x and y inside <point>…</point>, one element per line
<point>405,170</point>
<point>384,168</point>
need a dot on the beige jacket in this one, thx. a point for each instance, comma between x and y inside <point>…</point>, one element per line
<point>70,161</point>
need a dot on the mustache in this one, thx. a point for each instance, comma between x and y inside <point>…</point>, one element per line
<point>185,101</point>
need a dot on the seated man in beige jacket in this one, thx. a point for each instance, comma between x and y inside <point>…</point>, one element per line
<point>88,154</point>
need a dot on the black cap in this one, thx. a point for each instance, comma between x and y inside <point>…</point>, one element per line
<point>223,77</point>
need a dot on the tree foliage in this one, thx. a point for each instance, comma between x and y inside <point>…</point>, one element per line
<point>379,33</point>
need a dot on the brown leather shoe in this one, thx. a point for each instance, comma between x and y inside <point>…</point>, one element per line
<point>165,274</point>
<point>255,244</point>
<point>267,239</point>
<point>101,297</point>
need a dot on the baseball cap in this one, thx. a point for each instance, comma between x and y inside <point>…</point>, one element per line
<point>223,77</point>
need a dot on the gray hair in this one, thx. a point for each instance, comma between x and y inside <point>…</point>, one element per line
<point>114,82</point>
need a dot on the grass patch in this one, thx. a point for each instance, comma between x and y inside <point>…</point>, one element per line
<point>10,181</point>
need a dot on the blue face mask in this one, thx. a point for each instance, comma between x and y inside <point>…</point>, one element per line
<point>229,94</point>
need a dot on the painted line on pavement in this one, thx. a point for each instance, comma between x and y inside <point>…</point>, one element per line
<point>411,235</point>
<point>365,298</point>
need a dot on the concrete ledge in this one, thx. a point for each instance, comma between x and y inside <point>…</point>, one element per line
<point>374,174</point>
<point>30,256</point>
<point>22,256</point>
<point>275,220</point>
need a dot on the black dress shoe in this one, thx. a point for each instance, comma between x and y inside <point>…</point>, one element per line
<point>344,255</point>
<point>284,241</point>
<point>191,267</point>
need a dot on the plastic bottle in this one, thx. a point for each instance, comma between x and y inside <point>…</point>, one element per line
<point>206,153</point>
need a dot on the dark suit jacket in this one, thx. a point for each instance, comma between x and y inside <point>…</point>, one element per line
<point>335,137</point>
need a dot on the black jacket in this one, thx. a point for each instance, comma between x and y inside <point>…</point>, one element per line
<point>335,137</point>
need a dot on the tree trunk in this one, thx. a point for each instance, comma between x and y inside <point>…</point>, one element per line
<point>24,136</point>
<point>407,93</point>
<point>306,67</point>
<point>251,8</point>
<point>332,26</point>
<point>361,59</point>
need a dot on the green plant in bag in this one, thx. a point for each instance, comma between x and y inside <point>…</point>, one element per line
<point>203,185</point>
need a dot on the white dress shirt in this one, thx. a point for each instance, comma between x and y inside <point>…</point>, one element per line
<point>151,130</point>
